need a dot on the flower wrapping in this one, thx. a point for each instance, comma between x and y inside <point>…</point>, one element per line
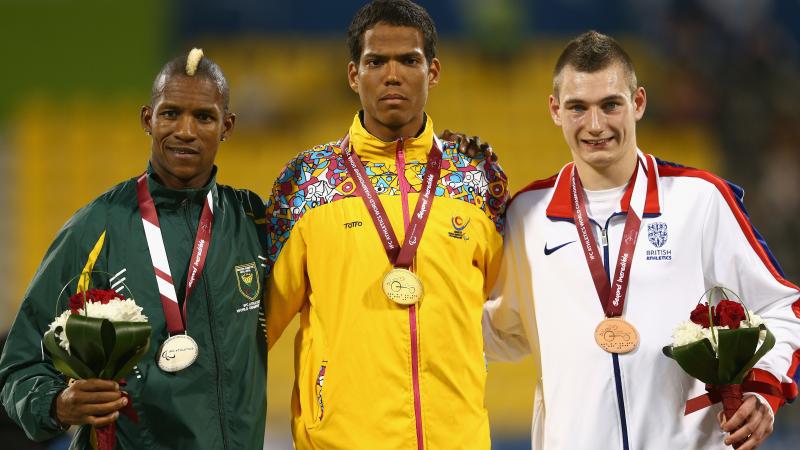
<point>719,345</point>
<point>103,335</point>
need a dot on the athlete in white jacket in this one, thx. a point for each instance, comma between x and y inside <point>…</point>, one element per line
<point>694,234</point>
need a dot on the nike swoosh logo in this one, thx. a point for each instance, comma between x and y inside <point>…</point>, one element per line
<point>548,251</point>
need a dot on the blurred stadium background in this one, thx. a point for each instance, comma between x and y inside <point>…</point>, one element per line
<point>722,79</point>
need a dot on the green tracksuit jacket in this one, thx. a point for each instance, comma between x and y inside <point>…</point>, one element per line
<point>217,403</point>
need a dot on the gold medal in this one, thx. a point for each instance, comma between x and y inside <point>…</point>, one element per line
<point>615,335</point>
<point>402,286</point>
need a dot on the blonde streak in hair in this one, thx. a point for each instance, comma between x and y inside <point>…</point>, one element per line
<point>193,60</point>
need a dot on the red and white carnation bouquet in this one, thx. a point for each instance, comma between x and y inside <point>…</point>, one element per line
<point>719,345</point>
<point>103,335</point>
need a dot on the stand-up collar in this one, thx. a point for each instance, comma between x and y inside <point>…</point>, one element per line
<point>370,148</point>
<point>164,196</point>
<point>643,195</point>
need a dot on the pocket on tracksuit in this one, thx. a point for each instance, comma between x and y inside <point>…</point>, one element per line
<point>319,410</point>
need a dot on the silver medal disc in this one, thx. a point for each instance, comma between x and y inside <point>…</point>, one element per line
<point>177,353</point>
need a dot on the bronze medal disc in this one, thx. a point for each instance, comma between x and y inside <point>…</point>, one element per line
<point>615,335</point>
<point>402,286</point>
<point>177,353</point>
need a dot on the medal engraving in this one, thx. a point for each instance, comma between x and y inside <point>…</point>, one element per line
<point>177,353</point>
<point>615,335</point>
<point>402,286</point>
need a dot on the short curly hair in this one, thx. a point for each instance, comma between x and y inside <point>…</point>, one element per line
<point>402,13</point>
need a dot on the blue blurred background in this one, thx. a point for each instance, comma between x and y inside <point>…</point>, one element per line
<point>722,79</point>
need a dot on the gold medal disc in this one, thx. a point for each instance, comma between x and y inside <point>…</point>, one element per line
<point>615,335</point>
<point>402,286</point>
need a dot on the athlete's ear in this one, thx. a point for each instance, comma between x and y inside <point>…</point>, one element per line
<point>228,123</point>
<point>145,118</point>
<point>639,102</point>
<point>434,69</point>
<point>352,76</point>
<point>555,110</point>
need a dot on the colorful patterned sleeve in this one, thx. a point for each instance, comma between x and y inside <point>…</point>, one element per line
<point>285,254</point>
<point>308,181</point>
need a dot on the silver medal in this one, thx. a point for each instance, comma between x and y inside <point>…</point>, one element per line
<point>177,353</point>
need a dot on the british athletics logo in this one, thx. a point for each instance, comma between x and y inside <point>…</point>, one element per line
<point>657,234</point>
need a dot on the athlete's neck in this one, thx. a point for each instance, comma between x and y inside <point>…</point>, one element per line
<point>173,182</point>
<point>600,178</point>
<point>387,133</point>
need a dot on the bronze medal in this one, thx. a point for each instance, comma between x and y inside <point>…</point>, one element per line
<point>402,286</point>
<point>615,335</point>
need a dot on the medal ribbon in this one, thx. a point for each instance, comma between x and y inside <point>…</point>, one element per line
<point>398,256</point>
<point>612,297</point>
<point>176,319</point>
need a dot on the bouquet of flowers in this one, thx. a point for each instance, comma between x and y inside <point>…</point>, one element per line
<point>719,345</point>
<point>103,335</point>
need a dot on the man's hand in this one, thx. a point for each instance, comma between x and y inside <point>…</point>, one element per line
<point>94,402</point>
<point>751,424</point>
<point>470,146</point>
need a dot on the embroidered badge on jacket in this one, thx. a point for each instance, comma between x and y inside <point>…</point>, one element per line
<point>247,280</point>
<point>657,234</point>
<point>458,228</point>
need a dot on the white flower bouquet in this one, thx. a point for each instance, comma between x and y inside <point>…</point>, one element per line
<point>103,335</point>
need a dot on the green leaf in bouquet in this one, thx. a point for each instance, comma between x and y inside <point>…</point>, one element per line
<point>132,340</point>
<point>88,338</point>
<point>697,359</point>
<point>769,342</point>
<point>132,361</point>
<point>736,347</point>
<point>63,361</point>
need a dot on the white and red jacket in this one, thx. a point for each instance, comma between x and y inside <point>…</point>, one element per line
<point>695,234</point>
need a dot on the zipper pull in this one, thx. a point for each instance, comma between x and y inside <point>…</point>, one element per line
<point>604,237</point>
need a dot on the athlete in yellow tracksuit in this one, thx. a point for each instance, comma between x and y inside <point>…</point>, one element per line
<point>372,374</point>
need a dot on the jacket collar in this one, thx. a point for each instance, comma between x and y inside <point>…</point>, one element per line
<point>164,196</point>
<point>370,148</point>
<point>644,195</point>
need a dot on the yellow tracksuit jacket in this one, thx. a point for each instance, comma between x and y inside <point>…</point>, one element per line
<point>369,373</point>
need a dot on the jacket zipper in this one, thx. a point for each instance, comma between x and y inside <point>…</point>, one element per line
<point>211,324</point>
<point>412,310</point>
<point>614,356</point>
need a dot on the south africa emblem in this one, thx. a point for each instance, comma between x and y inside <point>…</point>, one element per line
<point>247,279</point>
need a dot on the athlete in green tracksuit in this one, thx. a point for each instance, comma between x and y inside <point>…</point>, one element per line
<point>219,402</point>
